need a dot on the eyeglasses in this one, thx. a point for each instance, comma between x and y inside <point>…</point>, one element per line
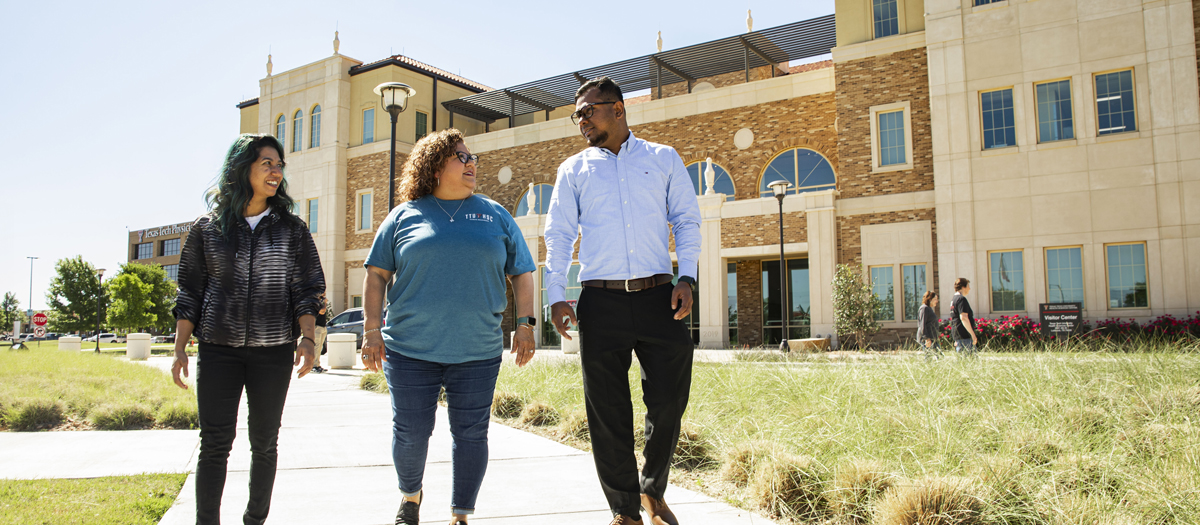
<point>466,158</point>
<point>587,111</point>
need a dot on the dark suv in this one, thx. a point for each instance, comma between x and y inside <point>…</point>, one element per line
<point>348,322</point>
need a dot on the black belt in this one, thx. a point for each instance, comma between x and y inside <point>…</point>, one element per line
<point>632,285</point>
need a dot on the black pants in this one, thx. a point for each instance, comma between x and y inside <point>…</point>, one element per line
<point>221,374</point>
<point>611,323</point>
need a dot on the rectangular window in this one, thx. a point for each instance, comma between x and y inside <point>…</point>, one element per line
<point>986,2</point>
<point>312,215</point>
<point>887,21</point>
<point>364,211</point>
<point>422,125</point>
<point>1114,103</point>
<point>797,289</point>
<point>913,277</point>
<point>996,112</point>
<point>1054,111</point>
<point>170,247</point>
<point>145,250</point>
<point>891,138</point>
<point>550,336</point>
<point>881,286</point>
<point>368,126</point>
<point>731,291</point>
<point>356,301</point>
<point>314,130</point>
<point>172,271</point>
<point>1064,275</point>
<point>1126,275</point>
<point>1007,280</point>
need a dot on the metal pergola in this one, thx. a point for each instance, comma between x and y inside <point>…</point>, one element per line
<point>794,41</point>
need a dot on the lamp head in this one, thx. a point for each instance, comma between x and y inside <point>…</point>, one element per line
<point>780,188</point>
<point>99,272</point>
<point>394,96</point>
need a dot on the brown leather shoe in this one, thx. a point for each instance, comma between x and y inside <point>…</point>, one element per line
<point>658,511</point>
<point>621,519</point>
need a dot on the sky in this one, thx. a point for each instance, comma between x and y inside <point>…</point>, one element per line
<point>117,115</point>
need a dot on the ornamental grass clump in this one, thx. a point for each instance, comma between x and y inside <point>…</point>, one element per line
<point>856,487</point>
<point>930,501</point>
<point>121,416</point>
<point>374,382</point>
<point>742,460</point>
<point>792,487</point>
<point>33,414</point>
<point>692,450</point>
<point>575,426</point>
<point>507,405</point>
<point>539,414</point>
<point>178,414</point>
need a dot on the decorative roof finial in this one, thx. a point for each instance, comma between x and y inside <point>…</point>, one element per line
<point>336,43</point>
<point>269,64</point>
<point>749,22</point>
<point>660,41</point>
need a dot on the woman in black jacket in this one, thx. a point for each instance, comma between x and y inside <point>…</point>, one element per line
<point>250,284</point>
<point>927,329</point>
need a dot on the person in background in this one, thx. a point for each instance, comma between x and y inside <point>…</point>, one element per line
<point>322,320</point>
<point>250,284</point>
<point>927,327</point>
<point>450,252</point>
<point>962,319</point>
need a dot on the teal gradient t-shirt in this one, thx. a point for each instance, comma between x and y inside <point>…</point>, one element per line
<point>448,299</point>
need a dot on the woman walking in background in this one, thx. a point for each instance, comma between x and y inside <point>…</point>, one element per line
<point>927,328</point>
<point>962,319</point>
<point>450,252</point>
<point>250,285</point>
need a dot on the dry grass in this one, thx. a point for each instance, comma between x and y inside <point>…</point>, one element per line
<point>507,405</point>
<point>856,487</point>
<point>575,427</point>
<point>743,459</point>
<point>539,414</point>
<point>792,487</point>
<point>931,501</point>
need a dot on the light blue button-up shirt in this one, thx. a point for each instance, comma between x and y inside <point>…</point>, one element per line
<point>625,204</point>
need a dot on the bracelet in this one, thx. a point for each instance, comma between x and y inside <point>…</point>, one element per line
<point>314,341</point>
<point>365,332</point>
<point>525,325</point>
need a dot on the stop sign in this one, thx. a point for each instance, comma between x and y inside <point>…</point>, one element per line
<point>39,319</point>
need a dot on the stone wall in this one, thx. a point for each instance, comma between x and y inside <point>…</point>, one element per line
<point>875,81</point>
<point>763,230</point>
<point>749,302</point>
<point>368,171</point>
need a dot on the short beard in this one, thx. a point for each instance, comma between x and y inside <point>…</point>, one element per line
<point>598,138</point>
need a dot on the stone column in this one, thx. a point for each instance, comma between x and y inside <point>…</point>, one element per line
<point>714,304</point>
<point>532,227</point>
<point>822,259</point>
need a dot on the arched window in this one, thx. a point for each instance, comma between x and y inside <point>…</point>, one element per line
<point>541,202</point>
<point>297,130</point>
<point>722,183</point>
<point>806,169</point>
<point>280,127</point>
<point>314,129</point>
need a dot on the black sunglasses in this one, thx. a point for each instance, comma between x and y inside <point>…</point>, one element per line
<point>587,111</point>
<point>466,158</point>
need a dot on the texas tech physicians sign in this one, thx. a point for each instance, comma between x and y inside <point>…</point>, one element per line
<point>1060,319</point>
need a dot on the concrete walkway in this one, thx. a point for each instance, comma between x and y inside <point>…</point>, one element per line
<point>335,465</point>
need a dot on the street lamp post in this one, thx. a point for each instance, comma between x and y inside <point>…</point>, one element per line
<point>780,188</point>
<point>29,307</point>
<point>99,296</point>
<point>394,98</point>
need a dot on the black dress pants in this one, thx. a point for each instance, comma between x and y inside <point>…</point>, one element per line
<point>611,323</point>
<point>221,374</point>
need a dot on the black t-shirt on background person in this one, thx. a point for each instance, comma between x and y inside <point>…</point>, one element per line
<point>958,307</point>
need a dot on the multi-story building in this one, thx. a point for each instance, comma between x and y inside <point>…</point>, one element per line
<point>160,245</point>
<point>1046,150</point>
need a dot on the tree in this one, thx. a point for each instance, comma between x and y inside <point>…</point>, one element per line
<point>854,305</point>
<point>72,296</point>
<point>162,293</point>
<point>10,311</point>
<point>131,303</point>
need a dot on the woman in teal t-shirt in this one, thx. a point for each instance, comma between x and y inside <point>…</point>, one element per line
<point>450,252</point>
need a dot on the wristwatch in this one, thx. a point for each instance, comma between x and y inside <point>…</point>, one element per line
<point>527,321</point>
<point>687,279</point>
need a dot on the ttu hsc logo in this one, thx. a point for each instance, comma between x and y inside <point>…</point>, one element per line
<point>481,217</point>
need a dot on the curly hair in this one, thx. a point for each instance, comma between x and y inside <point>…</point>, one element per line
<point>429,155</point>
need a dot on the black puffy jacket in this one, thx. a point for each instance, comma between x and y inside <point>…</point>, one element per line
<point>251,290</point>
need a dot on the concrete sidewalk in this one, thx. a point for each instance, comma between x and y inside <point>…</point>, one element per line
<point>335,465</point>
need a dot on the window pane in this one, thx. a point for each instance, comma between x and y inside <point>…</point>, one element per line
<point>914,289</point>
<point>1064,275</point>
<point>886,20</point>
<point>692,321</point>
<point>1054,111</point>
<point>422,125</point>
<point>1008,281</point>
<point>542,194</point>
<point>280,125</point>
<point>368,130</point>
<point>356,301</point>
<point>805,169</point>
<point>722,183</point>
<point>314,130</point>
<point>170,247</point>
<point>172,271</point>
<point>1114,102</point>
<point>550,336</point>
<point>312,215</point>
<point>997,109</point>
<point>1127,276</point>
<point>144,250</point>
<point>364,211</point>
<point>297,130</point>
<point>731,291</point>
<point>891,138</point>
<point>798,317</point>
<point>881,285</point>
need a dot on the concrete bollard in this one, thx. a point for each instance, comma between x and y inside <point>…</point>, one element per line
<point>70,342</point>
<point>137,347</point>
<point>341,350</point>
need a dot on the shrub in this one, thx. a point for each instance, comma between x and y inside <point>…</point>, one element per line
<point>178,415</point>
<point>856,486</point>
<point>742,460</point>
<point>792,487</point>
<point>539,414</point>
<point>374,382</point>
<point>930,501</point>
<point>507,405</point>
<point>34,414</point>
<point>692,450</point>
<point>121,416</point>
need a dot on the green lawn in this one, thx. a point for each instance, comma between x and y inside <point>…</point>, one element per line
<point>121,500</point>
<point>1007,438</point>
<point>48,388</point>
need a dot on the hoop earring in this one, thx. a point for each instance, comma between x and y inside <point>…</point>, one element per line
<point>439,180</point>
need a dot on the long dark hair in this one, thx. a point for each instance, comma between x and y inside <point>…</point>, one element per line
<point>232,192</point>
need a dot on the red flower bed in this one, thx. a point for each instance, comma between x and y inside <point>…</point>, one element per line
<point>1016,331</point>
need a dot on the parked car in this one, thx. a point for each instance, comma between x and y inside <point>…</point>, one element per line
<point>168,338</point>
<point>348,322</point>
<point>107,338</point>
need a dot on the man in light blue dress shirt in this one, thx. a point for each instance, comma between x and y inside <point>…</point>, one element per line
<point>626,194</point>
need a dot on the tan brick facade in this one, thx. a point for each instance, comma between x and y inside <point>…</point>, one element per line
<point>875,81</point>
<point>367,172</point>
<point>763,230</point>
<point>749,302</point>
<point>849,235</point>
<point>718,81</point>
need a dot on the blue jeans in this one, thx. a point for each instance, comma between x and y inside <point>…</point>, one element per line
<point>415,385</point>
<point>965,346</point>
